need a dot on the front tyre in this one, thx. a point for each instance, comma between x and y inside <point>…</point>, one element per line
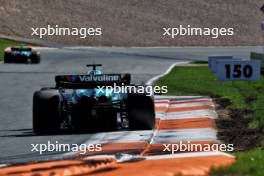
<point>35,58</point>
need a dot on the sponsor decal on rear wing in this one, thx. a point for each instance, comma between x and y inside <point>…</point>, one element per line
<point>80,81</point>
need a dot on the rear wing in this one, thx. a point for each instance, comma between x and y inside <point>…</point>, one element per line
<point>21,49</point>
<point>91,81</point>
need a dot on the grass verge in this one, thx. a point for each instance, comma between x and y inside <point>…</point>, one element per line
<point>248,163</point>
<point>7,43</point>
<point>245,97</point>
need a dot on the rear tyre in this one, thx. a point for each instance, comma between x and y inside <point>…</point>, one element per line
<point>46,112</point>
<point>35,58</point>
<point>7,58</point>
<point>141,112</point>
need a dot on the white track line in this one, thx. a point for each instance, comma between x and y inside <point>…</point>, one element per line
<point>209,104</point>
<point>178,139</point>
<point>190,135</point>
<point>180,98</point>
<point>45,48</point>
<point>195,113</point>
<point>3,165</point>
<point>152,80</point>
<point>188,155</point>
<point>169,156</point>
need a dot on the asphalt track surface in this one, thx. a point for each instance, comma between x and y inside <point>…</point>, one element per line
<point>19,81</point>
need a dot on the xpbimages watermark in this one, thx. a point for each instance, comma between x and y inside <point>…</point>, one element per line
<point>60,147</point>
<point>189,30</point>
<point>124,89</point>
<point>196,147</point>
<point>56,30</point>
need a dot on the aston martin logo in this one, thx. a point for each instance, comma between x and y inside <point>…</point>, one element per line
<point>71,78</point>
